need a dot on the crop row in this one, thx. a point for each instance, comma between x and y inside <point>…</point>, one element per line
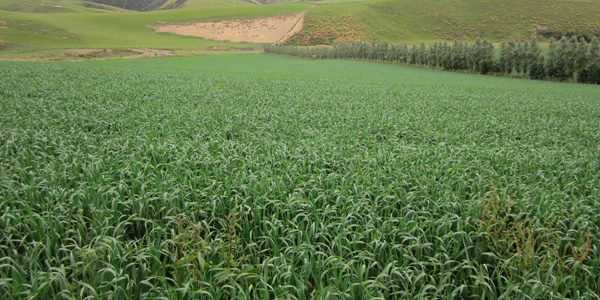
<point>126,184</point>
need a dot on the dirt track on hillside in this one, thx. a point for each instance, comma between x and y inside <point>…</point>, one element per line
<point>266,30</point>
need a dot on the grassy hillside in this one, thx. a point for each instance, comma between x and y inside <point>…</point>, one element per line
<point>201,3</point>
<point>22,33</point>
<point>60,6</point>
<point>148,5</point>
<point>432,20</point>
<point>205,3</point>
<point>263,177</point>
<point>23,28</point>
<point>138,5</point>
<point>56,6</point>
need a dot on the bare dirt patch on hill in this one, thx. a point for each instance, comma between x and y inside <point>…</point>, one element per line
<point>266,30</point>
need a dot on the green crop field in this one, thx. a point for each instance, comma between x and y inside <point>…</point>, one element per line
<point>262,177</point>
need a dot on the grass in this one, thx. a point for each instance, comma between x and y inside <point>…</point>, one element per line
<point>74,26</point>
<point>54,6</point>
<point>27,33</point>
<point>204,3</point>
<point>256,176</point>
<point>434,20</point>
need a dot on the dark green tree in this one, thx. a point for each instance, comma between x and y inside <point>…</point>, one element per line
<point>455,55</point>
<point>436,58</point>
<point>503,58</point>
<point>537,69</point>
<point>422,54</point>
<point>511,52</point>
<point>568,50</point>
<point>581,52</point>
<point>591,72</point>
<point>474,54</point>
<point>518,57</point>
<point>535,60</point>
<point>412,55</point>
<point>486,62</point>
<point>555,64</point>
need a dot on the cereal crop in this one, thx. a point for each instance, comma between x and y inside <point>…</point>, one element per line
<point>264,177</point>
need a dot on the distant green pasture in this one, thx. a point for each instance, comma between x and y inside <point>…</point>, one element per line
<point>32,32</point>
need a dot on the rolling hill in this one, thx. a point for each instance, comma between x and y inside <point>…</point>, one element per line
<point>99,6</point>
<point>139,5</point>
<point>148,5</point>
<point>434,20</point>
<point>56,6</point>
<point>39,34</point>
<point>38,26</point>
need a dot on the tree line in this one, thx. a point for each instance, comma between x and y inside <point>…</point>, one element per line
<point>569,58</point>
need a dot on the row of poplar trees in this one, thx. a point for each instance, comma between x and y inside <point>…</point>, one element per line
<point>566,59</point>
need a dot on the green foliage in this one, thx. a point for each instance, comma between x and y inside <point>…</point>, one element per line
<point>570,59</point>
<point>589,69</point>
<point>261,177</point>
